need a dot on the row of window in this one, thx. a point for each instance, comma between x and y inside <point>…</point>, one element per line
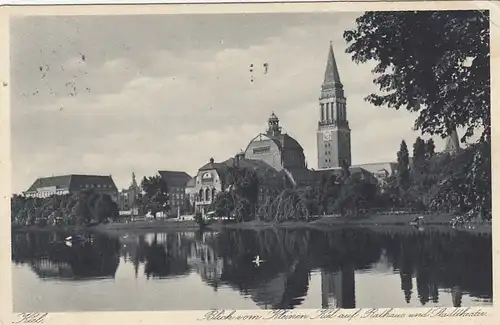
<point>206,195</point>
<point>96,186</point>
<point>47,193</point>
<point>328,111</point>
<point>174,202</point>
<point>327,145</point>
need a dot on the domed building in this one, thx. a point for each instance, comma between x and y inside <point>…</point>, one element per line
<point>283,157</point>
<point>277,149</point>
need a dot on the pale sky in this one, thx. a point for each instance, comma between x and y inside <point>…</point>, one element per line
<point>139,94</point>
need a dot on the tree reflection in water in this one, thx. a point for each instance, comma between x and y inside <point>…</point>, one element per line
<point>49,257</point>
<point>459,263</point>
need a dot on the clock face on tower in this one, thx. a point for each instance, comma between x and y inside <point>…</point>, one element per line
<point>327,135</point>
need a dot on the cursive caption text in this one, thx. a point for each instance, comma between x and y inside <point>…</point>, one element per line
<point>346,314</point>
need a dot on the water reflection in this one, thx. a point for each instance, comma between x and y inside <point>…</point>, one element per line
<point>51,258</point>
<point>426,262</point>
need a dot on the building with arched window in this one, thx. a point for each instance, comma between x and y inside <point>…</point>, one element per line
<point>215,177</point>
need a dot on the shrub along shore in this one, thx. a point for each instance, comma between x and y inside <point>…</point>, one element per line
<point>400,222</point>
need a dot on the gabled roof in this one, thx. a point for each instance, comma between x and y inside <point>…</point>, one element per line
<point>73,182</point>
<point>283,141</point>
<point>174,178</point>
<point>373,168</point>
<point>60,182</point>
<point>303,176</point>
<point>191,182</point>
<point>263,170</point>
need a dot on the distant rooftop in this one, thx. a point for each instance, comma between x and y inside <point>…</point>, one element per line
<point>72,182</point>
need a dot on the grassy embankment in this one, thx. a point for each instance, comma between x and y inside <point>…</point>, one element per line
<point>384,222</point>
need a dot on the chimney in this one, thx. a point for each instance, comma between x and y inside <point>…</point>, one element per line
<point>237,160</point>
<point>212,160</point>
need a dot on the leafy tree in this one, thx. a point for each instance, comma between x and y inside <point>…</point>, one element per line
<point>421,67</point>
<point>224,204</point>
<point>430,148</point>
<point>438,65</point>
<point>155,195</point>
<point>355,193</point>
<point>403,168</point>
<point>419,153</point>
<point>329,189</point>
<point>243,183</point>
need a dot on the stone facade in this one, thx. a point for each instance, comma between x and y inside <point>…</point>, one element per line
<point>176,183</point>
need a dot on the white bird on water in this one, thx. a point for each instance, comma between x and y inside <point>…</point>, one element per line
<point>257,260</point>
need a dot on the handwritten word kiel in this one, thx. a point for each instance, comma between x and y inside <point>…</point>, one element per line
<point>25,318</point>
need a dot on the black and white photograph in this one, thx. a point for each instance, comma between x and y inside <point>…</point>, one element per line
<point>250,160</point>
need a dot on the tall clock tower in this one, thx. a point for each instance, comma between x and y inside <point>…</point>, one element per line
<point>334,134</point>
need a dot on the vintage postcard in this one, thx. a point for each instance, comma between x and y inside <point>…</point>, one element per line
<point>249,162</point>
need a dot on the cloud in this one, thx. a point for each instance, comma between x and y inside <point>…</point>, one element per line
<point>171,93</point>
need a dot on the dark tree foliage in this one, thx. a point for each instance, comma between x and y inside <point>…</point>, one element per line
<point>462,192</point>
<point>355,193</point>
<point>155,195</point>
<point>85,208</point>
<point>243,184</point>
<point>430,149</point>
<point>224,204</point>
<point>435,63</point>
<point>420,65</point>
<point>328,191</point>
<point>403,167</point>
<point>419,152</point>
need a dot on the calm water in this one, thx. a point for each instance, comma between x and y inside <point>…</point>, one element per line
<point>302,269</point>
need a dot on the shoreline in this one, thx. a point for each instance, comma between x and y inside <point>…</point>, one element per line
<point>439,222</point>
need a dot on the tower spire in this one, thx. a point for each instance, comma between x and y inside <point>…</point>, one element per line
<point>334,134</point>
<point>452,144</point>
<point>332,76</point>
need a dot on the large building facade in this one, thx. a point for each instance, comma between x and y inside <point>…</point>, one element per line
<point>72,184</point>
<point>176,183</point>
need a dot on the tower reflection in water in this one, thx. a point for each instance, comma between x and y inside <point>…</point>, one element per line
<point>456,263</point>
<point>338,288</point>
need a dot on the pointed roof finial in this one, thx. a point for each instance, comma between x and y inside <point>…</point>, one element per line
<point>452,143</point>
<point>332,72</point>
<point>273,117</point>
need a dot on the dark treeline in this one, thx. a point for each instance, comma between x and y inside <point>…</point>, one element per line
<point>85,208</point>
<point>426,182</point>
